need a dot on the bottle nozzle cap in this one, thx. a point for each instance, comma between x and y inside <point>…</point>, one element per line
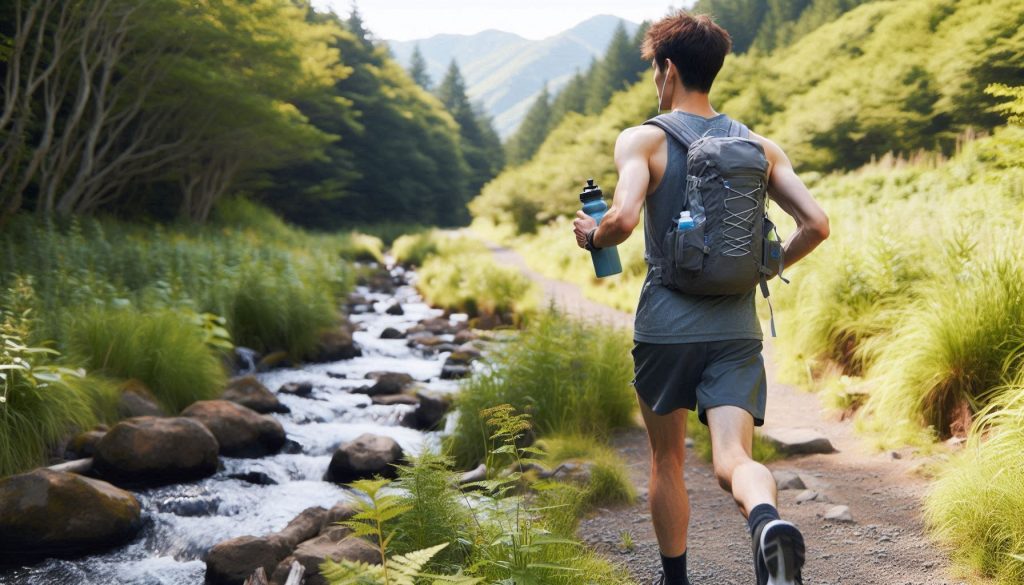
<point>590,191</point>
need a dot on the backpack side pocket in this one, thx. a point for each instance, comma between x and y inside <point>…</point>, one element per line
<point>771,250</point>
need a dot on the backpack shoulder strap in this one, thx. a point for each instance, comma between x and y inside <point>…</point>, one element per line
<point>675,128</point>
<point>738,129</point>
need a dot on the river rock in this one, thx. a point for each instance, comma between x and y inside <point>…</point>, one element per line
<point>788,480</point>
<point>302,389</point>
<point>365,456</point>
<point>460,358</point>
<point>231,561</point>
<point>50,513</point>
<point>391,333</point>
<point>454,372</point>
<point>432,408</point>
<point>240,431</point>
<point>798,441</point>
<point>336,344</point>
<point>839,514</point>
<point>806,496</point>
<point>335,545</point>
<point>135,399</point>
<point>437,326</point>
<point>83,444</point>
<point>465,336</point>
<point>150,450</point>
<point>395,309</point>
<point>385,383</point>
<point>249,392</point>
<point>392,399</point>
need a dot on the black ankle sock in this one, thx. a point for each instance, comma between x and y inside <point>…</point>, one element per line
<point>675,569</point>
<point>759,516</point>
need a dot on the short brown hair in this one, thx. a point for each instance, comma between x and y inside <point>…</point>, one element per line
<point>695,45</point>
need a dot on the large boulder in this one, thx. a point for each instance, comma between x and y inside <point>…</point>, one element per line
<point>231,561</point>
<point>83,444</point>
<point>240,431</point>
<point>135,399</point>
<point>335,544</point>
<point>337,344</point>
<point>150,450</point>
<point>365,456</point>
<point>250,393</point>
<point>50,513</point>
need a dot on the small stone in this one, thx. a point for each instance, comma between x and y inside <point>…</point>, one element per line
<point>788,480</point>
<point>798,441</point>
<point>806,496</point>
<point>689,443</point>
<point>296,388</point>
<point>392,333</point>
<point>839,514</point>
<point>895,455</point>
<point>450,372</point>
<point>395,309</point>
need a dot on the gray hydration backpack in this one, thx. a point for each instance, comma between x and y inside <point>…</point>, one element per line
<point>728,251</point>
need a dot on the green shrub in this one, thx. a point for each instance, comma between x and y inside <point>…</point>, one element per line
<point>948,352</point>
<point>164,350</point>
<point>415,248</point>
<point>573,377</point>
<point>463,277</point>
<point>976,506</point>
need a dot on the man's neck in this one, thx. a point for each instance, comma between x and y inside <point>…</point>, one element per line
<point>693,102</point>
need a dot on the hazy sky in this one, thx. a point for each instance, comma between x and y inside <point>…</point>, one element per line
<point>403,20</point>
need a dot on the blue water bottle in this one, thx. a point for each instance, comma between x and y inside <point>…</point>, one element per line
<point>606,260</point>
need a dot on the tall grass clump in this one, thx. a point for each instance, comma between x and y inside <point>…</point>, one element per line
<point>976,506</point>
<point>163,350</point>
<point>463,277</point>
<point>609,481</point>
<point>571,376</point>
<point>943,360</point>
<point>39,402</point>
<point>413,249</point>
<point>279,313</point>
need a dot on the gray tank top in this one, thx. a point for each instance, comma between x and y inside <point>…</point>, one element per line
<point>667,316</point>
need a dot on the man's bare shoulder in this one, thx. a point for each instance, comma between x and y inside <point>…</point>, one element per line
<point>772,150</point>
<point>642,139</point>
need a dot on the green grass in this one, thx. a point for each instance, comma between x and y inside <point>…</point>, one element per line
<point>415,248</point>
<point>463,277</point>
<point>976,506</point>
<point>572,377</point>
<point>163,350</point>
<point>609,479</point>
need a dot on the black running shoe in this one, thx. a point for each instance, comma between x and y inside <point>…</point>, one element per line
<point>779,554</point>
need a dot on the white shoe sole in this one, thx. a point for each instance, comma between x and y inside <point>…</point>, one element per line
<point>782,548</point>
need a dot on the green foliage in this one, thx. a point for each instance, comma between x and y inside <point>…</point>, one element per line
<point>375,512</point>
<point>463,277</point>
<point>39,401</point>
<point>273,284</point>
<point>976,506</point>
<point>435,513</point>
<point>164,350</point>
<point>1014,109</point>
<point>617,70</point>
<point>571,376</point>
<point>609,479</point>
<point>532,130</point>
<point>418,69</point>
<point>415,248</point>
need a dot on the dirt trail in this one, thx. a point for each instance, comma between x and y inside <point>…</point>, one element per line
<point>885,545</point>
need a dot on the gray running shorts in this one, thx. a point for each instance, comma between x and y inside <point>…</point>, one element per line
<point>701,375</point>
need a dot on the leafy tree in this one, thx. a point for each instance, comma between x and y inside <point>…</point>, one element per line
<point>418,69</point>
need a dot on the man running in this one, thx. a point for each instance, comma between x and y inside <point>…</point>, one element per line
<point>700,352</point>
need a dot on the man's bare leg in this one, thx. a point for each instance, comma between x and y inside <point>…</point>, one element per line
<point>732,437</point>
<point>778,545</point>
<point>666,492</point>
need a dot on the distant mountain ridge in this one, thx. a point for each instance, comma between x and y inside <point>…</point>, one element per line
<point>505,72</point>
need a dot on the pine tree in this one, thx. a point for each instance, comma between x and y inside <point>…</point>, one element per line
<point>617,70</point>
<point>573,96</point>
<point>452,93</point>
<point>532,132</point>
<point>356,27</point>
<point>418,69</point>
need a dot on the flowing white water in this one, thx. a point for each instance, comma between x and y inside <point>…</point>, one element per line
<point>182,521</point>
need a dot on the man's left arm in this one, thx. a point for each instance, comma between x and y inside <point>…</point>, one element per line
<point>632,155</point>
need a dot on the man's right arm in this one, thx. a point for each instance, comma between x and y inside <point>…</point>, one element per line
<point>786,188</point>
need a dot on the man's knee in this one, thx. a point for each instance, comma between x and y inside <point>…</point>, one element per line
<point>668,458</point>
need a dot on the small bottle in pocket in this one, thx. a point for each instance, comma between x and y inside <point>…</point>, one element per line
<point>684,222</point>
